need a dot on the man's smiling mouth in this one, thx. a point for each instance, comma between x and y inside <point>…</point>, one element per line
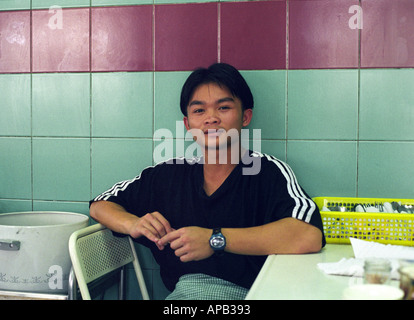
<point>214,132</point>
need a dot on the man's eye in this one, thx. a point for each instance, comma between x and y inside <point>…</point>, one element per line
<point>198,110</point>
<point>224,107</point>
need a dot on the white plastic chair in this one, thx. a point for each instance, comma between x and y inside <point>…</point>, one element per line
<point>96,252</point>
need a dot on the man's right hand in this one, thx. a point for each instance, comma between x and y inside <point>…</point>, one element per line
<point>153,226</point>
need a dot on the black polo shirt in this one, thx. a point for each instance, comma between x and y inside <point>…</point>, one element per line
<point>175,189</point>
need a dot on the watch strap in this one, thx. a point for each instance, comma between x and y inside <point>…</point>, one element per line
<point>217,233</point>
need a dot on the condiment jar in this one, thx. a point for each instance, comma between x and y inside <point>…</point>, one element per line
<point>377,271</point>
<point>407,281</point>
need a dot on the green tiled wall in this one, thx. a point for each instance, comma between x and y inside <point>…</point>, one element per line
<point>60,132</point>
<point>67,137</point>
<point>122,105</point>
<point>61,105</point>
<point>387,110</point>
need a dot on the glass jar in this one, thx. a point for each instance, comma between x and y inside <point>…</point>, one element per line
<point>377,271</point>
<point>407,281</point>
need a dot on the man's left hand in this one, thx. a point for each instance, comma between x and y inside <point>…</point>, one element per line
<point>189,243</point>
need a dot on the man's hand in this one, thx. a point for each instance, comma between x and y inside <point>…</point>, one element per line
<point>189,243</point>
<point>152,226</point>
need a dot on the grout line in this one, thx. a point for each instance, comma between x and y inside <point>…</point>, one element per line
<point>358,109</point>
<point>90,39</point>
<point>153,36</point>
<point>90,101</point>
<point>31,107</point>
<point>153,78</point>
<point>287,81</point>
<point>287,35</point>
<point>31,138</point>
<point>90,136</point>
<point>218,32</point>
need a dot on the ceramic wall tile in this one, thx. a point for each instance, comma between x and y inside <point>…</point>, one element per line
<point>14,41</point>
<point>276,148</point>
<point>65,206</point>
<point>269,92</point>
<point>122,38</point>
<point>60,40</point>
<point>15,105</point>
<point>181,1</point>
<point>324,168</point>
<point>323,104</point>
<point>15,168</point>
<point>41,4</point>
<point>14,4</point>
<point>386,104</point>
<point>61,104</point>
<point>183,41</point>
<point>160,291</point>
<point>61,169</point>
<point>387,37</point>
<point>132,290</point>
<point>133,155</point>
<point>15,205</point>
<point>119,2</point>
<point>253,34</point>
<point>122,104</point>
<point>385,169</point>
<point>320,35</point>
<point>167,110</point>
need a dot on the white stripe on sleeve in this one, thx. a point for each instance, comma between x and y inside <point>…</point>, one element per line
<point>304,207</point>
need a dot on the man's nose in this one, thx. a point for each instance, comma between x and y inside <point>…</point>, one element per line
<point>211,117</point>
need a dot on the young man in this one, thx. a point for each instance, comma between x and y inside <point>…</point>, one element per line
<point>209,225</point>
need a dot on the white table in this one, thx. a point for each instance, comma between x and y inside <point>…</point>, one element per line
<point>298,276</point>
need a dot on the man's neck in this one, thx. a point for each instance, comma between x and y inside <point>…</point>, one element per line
<point>217,168</point>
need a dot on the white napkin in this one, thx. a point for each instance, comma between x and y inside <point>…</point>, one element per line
<point>345,267</point>
<point>367,249</point>
<point>353,267</point>
<point>370,249</point>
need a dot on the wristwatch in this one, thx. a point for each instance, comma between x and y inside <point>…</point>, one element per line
<point>217,241</point>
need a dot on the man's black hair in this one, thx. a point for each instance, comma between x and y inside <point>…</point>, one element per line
<point>222,74</point>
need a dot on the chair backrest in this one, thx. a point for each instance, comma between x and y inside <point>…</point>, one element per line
<point>101,253</point>
<point>95,252</point>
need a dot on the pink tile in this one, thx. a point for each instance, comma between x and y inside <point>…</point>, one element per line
<point>185,36</point>
<point>253,34</point>
<point>122,38</point>
<point>387,37</point>
<point>14,41</point>
<point>61,40</point>
<point>320,35</point>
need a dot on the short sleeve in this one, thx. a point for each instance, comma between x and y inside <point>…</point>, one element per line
<point>285,197</point>
<point>130,194</point>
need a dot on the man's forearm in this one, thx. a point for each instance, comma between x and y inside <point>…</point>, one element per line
<point>113,216</point>
<point>286,236</point>
<point>152,225</point>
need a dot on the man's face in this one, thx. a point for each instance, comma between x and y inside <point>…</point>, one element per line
<point>212,112</point>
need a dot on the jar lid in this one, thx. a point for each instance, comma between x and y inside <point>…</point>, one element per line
<point>377,263</point>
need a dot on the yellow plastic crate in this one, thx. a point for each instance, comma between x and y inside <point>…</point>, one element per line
<point>388,228</point>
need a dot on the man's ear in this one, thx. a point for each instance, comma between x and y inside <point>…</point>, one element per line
<point>247,117</point>
<point>186,123</point>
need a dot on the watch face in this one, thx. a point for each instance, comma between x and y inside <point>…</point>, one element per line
<point>217,242</point>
